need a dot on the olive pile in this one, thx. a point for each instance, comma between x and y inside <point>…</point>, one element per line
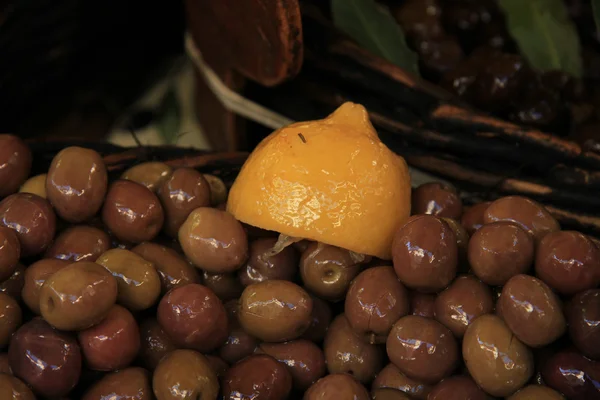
<point>145,288</point>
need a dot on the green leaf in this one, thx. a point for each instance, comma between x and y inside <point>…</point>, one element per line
<point>596,12</point>
<point>546,36</point>
<point>169,119</point>
<point>374,28</point>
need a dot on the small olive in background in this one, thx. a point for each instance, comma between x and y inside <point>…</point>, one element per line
<point>150,174</point>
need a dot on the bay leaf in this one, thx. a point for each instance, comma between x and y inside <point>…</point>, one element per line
<point>545,34</point>
<point>373,27</point>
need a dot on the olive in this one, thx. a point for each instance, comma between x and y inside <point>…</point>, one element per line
<point>34,278</point>
<point>529,214</point>
<point>535,392</point>
<point>12,388</point>
<point>13,286</point>
<point>76,183</point>
<point>132,212</point>
<point>129,383</point>
<point>375,301</point>
<point>10,318</point>
<point>472,218</point>
<point>35,185</point>
<point>275,311</point>
<point>498,362</point>
<point>10,252</point>
<point>173,269</point>
<point>422,348</point>
<point>531,311</point>
<point>225,286</point>
<point>239,343</point>
<point>425,254</point>
<point>391,377</point>
<point>327,270</point>
<point>568,262</point>
<point>573,375</point>
<point>79,243</point>
<point>336,386</point>
<point>499,251</point>
<point>113,343</point>
<point>345,352</point>
<point>77,296</point>
<point>262,264</point>
<point>193,317</point>
<point>436,199</point>
<point>257,377</point>
<point>457,388</point>
<point>185,374</point>
<point>33,220</point>
<point>218,190</point>
<point>304,359</point>
<point>460,303</point>
<point>4,365</point>
<point>321,317</point>
<point>422,304</point>
<point>583,316</point>
<point>15,163</point>
<point>47,360</point>
<point>214,240</point>
<point>218,365</point>
<point>154,343</point>
<point>137,279</point>
<point>150,174</point>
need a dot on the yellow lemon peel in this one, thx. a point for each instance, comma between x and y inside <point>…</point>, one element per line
<point>330,180</point>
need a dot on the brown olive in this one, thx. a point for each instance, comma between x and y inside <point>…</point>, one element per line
<point>132,212</point>
<point>345,352</point>
<point>239,343</point>
<point>10,252</point>
<point>457,388</point>
<point>137,279</point>
<point>375,301</point>
<point>34,278</point>
<point>79,243</point>
<point>257,377</point>
<point>275,311</point>
<point>572,374</point>
<point>77,296</point>
<point>321,317</point>
<point>47,360</point>
<point>113,343</point>
<point>150,174</point>
<point>13,286</point>
<point>262,265</point>
<point>304,359</point>
<point>15,163</point>
<point>12,388</point>
<point>155,343</point>
<point>184,191</point>
<point>214,240</point>
<point>76,183</point>
<point>10,318</point>
<point>129,383</point>
<point>536,392</point>
<point>464,300</point>
<point>193,317</point>
<point>225,286</point>
<point>568,262</point>
<point>422,304</point>
<point>388,394</point>
<point>425,254</point>
<point>185,374</point>
<point>499,251</point>
<point>529,214</point>
<point>327,270</point>
<point>436,199</point>
<point>337,386</point>
<point>531,311</point>
<point>422,348</point>
<point>462,239</point>
<point>472,218</point>
<point>218,365</point>
<point>173,269</point>
<point>391,377</point>
<point>35,185</point>
<point>4,365</point>
<point>583,316</point>
<point>33,220</point>
<point>218,190</point>
<point>498,362</point>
